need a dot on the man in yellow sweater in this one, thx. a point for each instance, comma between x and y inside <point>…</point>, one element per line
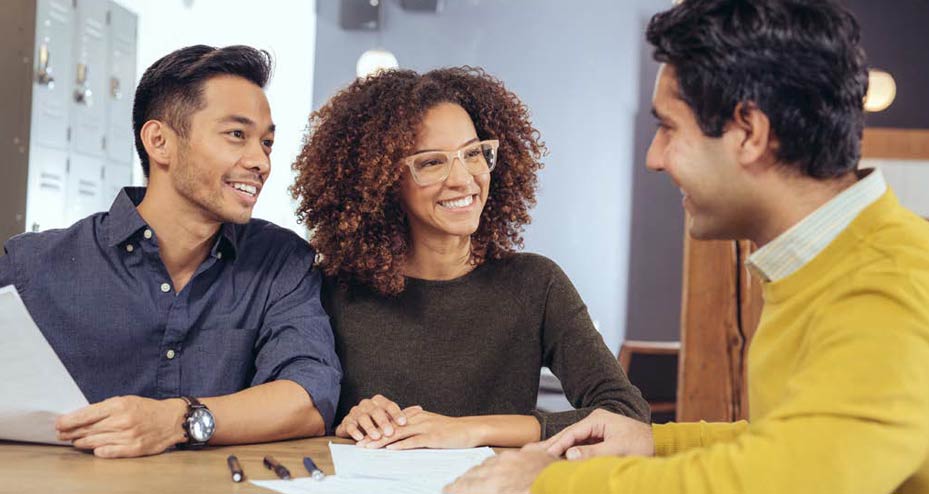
<point>759,106</point>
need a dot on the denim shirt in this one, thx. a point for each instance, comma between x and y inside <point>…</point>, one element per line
<point>250,314</point>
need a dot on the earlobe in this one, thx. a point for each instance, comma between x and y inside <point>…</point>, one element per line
<point>158,140</point>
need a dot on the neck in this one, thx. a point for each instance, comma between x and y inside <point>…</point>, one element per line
<point>185,235</point>
<point>442,258</point>
<point>789,200</point>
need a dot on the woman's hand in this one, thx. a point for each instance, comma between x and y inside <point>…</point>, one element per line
<point>374,418</point>
<point>431,430</point>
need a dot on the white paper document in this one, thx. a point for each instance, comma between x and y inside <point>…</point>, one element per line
<point>346,485</point>
<point>35,387</point>
<point>359,470</point>
<point>436,466</point>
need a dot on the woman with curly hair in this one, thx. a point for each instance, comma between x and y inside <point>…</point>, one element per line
<point>416,188</point>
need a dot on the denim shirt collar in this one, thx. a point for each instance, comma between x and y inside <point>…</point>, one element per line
<point>124,222</point>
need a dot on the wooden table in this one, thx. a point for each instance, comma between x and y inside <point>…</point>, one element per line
<point>28,468</point>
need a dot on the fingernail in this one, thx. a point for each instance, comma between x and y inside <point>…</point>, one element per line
<point>401,420</point>
<point>375,435</point>
<point>388,431</point>
<point>573,454</point>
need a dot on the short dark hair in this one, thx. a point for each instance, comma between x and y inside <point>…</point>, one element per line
<point>798,61</point>
<point>171,89</point>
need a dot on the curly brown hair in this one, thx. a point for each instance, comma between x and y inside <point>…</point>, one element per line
<point>348,174</point>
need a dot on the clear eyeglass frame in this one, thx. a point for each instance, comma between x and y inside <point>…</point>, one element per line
<point>424,173</point>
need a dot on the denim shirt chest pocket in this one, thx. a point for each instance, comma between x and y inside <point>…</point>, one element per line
<point>223,349</point>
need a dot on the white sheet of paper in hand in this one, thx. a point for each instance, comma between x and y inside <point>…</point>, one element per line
<point>35,386</point>
<point>434,467</point>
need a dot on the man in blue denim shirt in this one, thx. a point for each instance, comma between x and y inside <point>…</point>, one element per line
<point>175,311</point>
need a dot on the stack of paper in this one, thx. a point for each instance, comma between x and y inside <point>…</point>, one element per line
<point>36,388</point>
<point>359,470</point>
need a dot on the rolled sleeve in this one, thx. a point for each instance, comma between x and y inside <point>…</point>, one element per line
<point>9,269</point>
<point>296,342</point>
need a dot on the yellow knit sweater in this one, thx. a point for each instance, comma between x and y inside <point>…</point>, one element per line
<point>838,384</point>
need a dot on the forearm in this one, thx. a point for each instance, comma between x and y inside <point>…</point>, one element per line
<point>588,371</point>
<point>554,422</point>
<point>508,431</point>
<point>674,438</point>
<point>799,455</point>
<point>268,412</point>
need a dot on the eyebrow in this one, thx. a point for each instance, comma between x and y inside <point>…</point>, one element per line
<point>244,121</point>
<point>459,147</point>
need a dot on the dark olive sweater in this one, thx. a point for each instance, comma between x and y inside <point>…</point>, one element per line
<point>475,345</point>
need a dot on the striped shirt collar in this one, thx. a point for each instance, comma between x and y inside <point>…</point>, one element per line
<point>792,249</point>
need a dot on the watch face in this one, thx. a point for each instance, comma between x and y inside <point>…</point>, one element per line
<point>201,425</point>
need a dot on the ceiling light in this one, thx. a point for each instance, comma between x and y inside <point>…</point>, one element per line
<point>881,91</point>
<point>373,61</point>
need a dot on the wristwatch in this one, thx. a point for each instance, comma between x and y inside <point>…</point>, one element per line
<point>198,424</point>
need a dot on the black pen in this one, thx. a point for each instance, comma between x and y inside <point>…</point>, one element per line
<point>279,469</point>
<point>314,470</point>
<point>235,468</point>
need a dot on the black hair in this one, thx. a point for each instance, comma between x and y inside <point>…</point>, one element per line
<point>171,89</point>
<point>798,61</point>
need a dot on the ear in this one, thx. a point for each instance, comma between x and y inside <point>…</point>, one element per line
<point>754,133</point>
<point>160,143</point>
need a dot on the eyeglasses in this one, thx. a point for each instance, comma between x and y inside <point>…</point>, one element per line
<point>432,167</point>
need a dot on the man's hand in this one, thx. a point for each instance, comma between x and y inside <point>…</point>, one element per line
<point>430,430</point>
<point>510,472</point>
<point>125,426</point>
<point>600,434</point>
<point>374,418</point>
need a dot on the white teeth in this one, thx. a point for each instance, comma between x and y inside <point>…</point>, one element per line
<point>457,203</point>
<point>248,189</point>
